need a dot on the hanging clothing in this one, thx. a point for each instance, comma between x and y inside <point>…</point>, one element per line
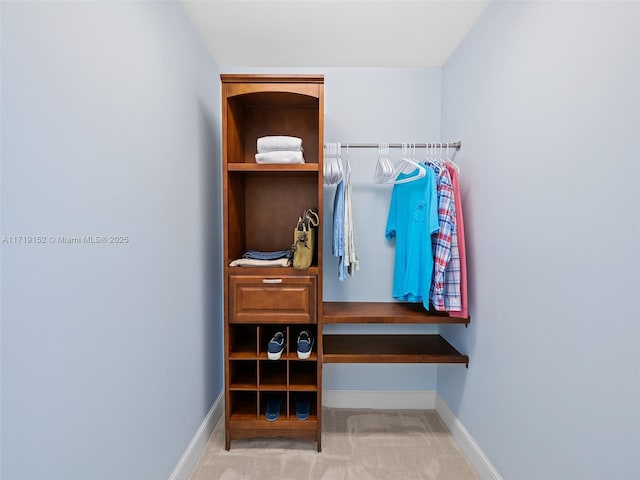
<point>351,262</point>
<point>337,248</point>
<point>441,241</point>
<point>452,294</point>
<point>344,234</point>
<point>450,273</point>
<point>412,219</point>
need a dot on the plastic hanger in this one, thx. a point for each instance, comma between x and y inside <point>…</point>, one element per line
<point>384,168</point>
<point>450,160</point>
<point>404,162</point>
<point>433,158</point>
<point>347,167</point>
<point>333,171</point>
<point>339,169</point>
<point>379,176</point>
<point>388,165</point>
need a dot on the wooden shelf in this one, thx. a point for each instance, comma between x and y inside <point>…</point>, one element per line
<point>244,355</point>
<point>248,386</point>
<point>274,167</point>
<point>390,349</point>
<point>383,312</point>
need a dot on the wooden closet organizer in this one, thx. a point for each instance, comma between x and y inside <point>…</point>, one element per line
<point>261,205</point>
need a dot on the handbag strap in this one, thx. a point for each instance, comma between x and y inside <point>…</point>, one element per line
<point>311,218</point>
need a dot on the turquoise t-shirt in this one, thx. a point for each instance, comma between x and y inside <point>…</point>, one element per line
<point>413,217</point>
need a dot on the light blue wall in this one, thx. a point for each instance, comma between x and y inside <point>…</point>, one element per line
<point>111,353</point>
<point>545,97</point>
<point>372,105</point>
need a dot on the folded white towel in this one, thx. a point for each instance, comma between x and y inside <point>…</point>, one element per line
<point>279,157</point>
<point>278,143</point>
<point>248,262</point>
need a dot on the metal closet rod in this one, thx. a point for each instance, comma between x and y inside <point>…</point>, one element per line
<point>454,145</point>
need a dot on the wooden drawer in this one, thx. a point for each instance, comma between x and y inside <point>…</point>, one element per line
<point>272,299</point>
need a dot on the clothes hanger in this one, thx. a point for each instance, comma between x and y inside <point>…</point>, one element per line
<point>435,158</point>
<point>407,160</point>
<point>347,167</point>
<point>327,162</point>
<point>333,164</point>
<point>388,165</point>
<point>450,160</point>
<point>339,168</point>
<point>384,167</point>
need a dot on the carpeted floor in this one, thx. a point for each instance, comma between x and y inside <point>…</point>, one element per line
<point>356,444</point>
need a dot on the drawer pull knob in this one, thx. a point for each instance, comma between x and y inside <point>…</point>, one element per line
<point>271,280</point>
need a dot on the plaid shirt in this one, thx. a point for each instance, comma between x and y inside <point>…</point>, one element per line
<point>452,293</point>
<point>441,241</point>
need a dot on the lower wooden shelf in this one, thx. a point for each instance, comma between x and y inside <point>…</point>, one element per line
<point>390,349</point>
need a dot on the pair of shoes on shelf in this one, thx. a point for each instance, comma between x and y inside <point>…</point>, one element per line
<point>274,402</point>
<point>277,344</point>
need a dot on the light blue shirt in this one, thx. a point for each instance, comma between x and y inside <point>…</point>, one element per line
<point>338,230</point>
<point>413,217</point>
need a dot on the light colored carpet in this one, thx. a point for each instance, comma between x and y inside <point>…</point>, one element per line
<point>356,444</point>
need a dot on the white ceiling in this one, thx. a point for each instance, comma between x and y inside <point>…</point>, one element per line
<point>328,33</point>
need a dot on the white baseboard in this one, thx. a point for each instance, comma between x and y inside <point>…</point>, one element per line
<point>468,446</point>
<point>379,399</point>
<point>190,457</point>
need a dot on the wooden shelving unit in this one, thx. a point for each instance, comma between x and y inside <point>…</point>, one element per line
<point>261,205</point>
<point>430,348</point>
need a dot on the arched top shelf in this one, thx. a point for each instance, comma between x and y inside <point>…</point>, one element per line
<point>300,90</point>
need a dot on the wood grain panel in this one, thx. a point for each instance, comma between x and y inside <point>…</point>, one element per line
<point>384,312</point>
<point>390,349</point>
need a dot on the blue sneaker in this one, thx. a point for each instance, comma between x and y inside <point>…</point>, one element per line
<point>305,344</point>
<point>303,407</point>
<point>273,407</point>
<point>276,346</point>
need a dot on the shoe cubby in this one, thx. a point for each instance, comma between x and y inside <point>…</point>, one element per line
<point>243,375</point>
<point>243,405</point>
<point>264,399</point>
<point>295,332</point>
<point>273,375</point>
<point>303,376</point>
<point>311,398</point>
<point>267,331</point>
<point>243,342</point>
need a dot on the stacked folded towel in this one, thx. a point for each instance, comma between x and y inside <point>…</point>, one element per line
<point>279,149</point>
